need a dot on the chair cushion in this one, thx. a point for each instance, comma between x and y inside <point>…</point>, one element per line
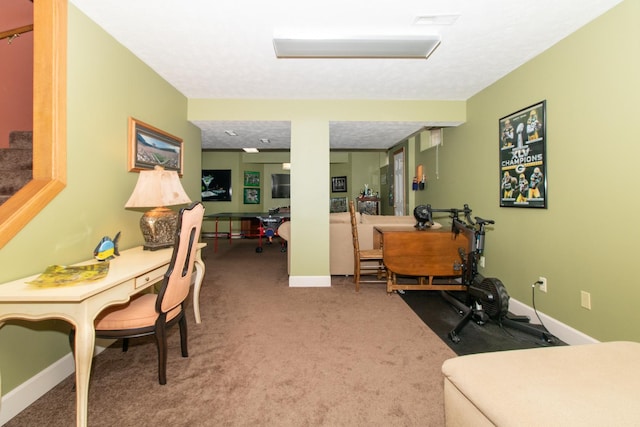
<point>371,254</point>
<point>139,312</point>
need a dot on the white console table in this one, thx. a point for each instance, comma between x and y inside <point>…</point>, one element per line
<point>130,273</point>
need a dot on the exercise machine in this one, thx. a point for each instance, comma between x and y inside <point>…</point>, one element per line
<point>486,298</point>
<point>269,229</point>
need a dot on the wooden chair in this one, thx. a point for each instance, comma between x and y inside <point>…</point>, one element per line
<point>367,261</point>
<point>151,314</point>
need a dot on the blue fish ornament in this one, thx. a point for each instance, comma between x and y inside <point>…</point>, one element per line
<point>107,248</point>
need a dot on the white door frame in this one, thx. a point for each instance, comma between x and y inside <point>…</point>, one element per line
<point>398,182</point>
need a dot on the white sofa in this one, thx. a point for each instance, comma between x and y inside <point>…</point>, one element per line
<point>581,385</point>
<point>341,244</point>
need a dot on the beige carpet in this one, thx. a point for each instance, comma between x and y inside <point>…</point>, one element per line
<point>266,354</point>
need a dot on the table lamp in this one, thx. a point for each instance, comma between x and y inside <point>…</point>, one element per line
<point>157,189</point>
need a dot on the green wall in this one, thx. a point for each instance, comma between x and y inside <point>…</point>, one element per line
<point>586,239</point>
<point>590,82</point>
<point>360,167</point>
<point>265,164</point>
<point>106,85</point>
<point>310,157</point>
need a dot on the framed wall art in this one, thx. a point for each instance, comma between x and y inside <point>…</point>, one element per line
<point>216,185</point>
<point>150,147</point>
<point>523,161</point>
<point>338,204</point>
<point>251,179</point>
<point>251,196</point>
<point>280,186</point>
<point>339,184</point>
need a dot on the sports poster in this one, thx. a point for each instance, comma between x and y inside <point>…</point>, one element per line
<point>523,174</point>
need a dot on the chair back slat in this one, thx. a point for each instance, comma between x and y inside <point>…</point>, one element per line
<point>354,228</point>
<point>177,279</point>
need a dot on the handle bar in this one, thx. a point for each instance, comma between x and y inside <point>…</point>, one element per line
<point>484,221</point>
<point>455,215</point>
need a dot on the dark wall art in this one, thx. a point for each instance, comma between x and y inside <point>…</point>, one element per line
<point>216,185</point>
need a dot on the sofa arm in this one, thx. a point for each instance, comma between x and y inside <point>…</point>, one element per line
<point>284,230</point>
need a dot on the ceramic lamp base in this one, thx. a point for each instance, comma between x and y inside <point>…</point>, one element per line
<point>158,228</point>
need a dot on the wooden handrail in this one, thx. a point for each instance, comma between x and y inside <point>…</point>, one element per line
<point>16,31</point>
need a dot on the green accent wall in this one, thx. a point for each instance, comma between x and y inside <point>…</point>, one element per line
<point>106,85</point>
<point>587,238</point>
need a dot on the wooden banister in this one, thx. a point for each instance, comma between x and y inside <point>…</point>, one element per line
<point>16,31</point>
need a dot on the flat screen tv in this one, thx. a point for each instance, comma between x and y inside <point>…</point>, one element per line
<point>280,186</point>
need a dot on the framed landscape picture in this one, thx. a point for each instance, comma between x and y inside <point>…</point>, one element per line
<point>523,161</point>
<point>150,147</point>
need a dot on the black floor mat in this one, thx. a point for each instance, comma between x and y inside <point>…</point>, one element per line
<point>441,317</point>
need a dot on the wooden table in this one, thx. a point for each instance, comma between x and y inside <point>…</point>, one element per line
<point>431,256</point>
<point>130,273</point>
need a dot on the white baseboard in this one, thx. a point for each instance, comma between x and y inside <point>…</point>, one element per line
<point>31,390</point>
<point>18,399</point>
<point>564,332</point>
<point>310,281</point>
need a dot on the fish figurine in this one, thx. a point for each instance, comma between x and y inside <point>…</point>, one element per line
<point>107,248</point>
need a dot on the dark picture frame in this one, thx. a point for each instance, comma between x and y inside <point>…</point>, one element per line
<point>251,179</point>
<point>339,184</point>
<point>216,185</point>
<point>280,186</point>
<point>150,147</point>
<point>251,196</point>
<point>523,158</point>
<point>338,204</point>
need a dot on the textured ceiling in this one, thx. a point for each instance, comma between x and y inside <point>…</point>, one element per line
<point>224,50</point>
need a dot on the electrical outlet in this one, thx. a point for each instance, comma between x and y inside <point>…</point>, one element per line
<point>481,262</point>
<point>542,283</point>
<point>585,300</point>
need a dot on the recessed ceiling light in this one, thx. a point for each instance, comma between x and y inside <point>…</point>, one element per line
<point>265,140</point>
<point>436,20</point>
<point>230,133</point>
<point>250,150</point>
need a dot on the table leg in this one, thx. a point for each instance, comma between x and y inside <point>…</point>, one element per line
<point>199,265</point>
<point>85,341</point>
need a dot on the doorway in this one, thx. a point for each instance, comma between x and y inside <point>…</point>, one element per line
<point>398,182</point>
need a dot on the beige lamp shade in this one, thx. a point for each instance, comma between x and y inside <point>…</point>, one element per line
<point>156,189</point>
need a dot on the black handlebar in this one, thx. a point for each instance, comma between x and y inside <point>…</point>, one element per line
<point>484,221</point>
<point>454,213</point>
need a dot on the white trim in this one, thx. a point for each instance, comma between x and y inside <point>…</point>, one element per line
<point>31,390</point>
<point>309,281</point>
<point>18,399</point>
<point>564,332</point>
